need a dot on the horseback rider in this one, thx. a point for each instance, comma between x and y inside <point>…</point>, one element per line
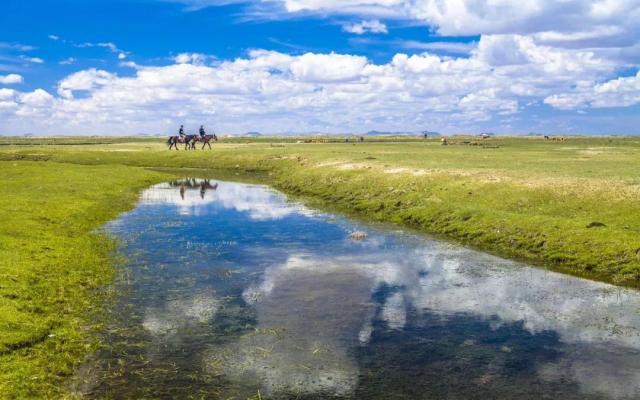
<point>202,132</point>
<point>181,132</point>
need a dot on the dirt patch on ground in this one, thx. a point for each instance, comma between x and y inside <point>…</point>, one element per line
<point>344,166</point>
<point>117,150</point>
<point>414,172</point>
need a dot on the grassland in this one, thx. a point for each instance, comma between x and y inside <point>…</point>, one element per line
<point>570,206</point>
<point>52,260</point>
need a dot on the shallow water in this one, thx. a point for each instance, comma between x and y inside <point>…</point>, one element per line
<point>231,291</point>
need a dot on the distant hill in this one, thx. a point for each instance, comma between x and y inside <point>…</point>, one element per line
<point>253,134</point>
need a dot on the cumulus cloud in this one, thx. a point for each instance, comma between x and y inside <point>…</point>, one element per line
<point>472,17</point>
<point>259,202</point>
<point>83,81</point>
<point>566,55</point>
<point>438,46</point>
<point>585,23</point>
<point>619,92</point>
<point>331,92</point>
<point>37,98</point>
<point>332,67</point>
<point>360,28</point>
<point>10,79</point>
<point>36,104</point>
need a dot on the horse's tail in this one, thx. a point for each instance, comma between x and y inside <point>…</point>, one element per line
<point>170,141</point>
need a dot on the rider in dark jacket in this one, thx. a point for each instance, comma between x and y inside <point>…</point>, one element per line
<point>202,132</point>
<point>181,131</point>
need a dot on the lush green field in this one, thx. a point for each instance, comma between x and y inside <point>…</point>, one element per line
<point>572,206</point>
<point>52,260</point>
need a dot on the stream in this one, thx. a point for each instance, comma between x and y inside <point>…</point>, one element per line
<point>231,291</point>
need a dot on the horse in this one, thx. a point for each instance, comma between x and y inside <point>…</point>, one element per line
<point>173,141</point>
<point>206,184</point>
<point>187,140</point>
<point>206,141</point>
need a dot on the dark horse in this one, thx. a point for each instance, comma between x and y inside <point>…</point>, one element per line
<point>206,141</point>
<point>188,140</point>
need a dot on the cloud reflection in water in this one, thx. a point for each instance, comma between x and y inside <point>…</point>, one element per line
<point>317,300</point>
<point>259,202</point>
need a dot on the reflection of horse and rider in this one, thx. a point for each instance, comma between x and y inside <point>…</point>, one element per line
<point>190,141</point>
<point>191,183</point>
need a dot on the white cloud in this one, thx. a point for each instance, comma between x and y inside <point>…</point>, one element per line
<point>327,67</point>
<point>54,37</point>
<point>193,58</point>
<point>276,92</point>
<point>449,47</point>
<point>16,46</point>
<point>471,17</point>
<point>33,105</point>
<point>10,79</point>
<point>68,61</point>
<point>112,47</point>
<point>193,5</point>
<point>34,60</point>
<point>7,94</point>
<point>567,20</point>
<point>258,202</point>
<point>360,28</point>
<point>83,80</point>
<point>340,5</point>
<point>620,92</point>
<point>108,45</point>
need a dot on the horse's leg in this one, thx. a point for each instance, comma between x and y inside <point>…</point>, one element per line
<point>209,143</point>
<point>204,144</point>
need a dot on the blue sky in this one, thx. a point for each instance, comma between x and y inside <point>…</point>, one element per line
<point>335,66</point>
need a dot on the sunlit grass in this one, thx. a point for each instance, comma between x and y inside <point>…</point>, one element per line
<point>572,206</point>
<point>51,262</point>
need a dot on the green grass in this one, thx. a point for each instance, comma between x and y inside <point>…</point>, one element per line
<point>52,260</point>
<point>570,206</point>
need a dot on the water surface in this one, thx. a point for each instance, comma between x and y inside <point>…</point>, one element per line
<point>230,290</point>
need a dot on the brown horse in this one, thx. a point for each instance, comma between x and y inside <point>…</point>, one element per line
<point>206,140</point>
<point>188,140</point>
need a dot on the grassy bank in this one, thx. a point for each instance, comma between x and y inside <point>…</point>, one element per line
<point>571,206</point>
<point>51,261</point>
